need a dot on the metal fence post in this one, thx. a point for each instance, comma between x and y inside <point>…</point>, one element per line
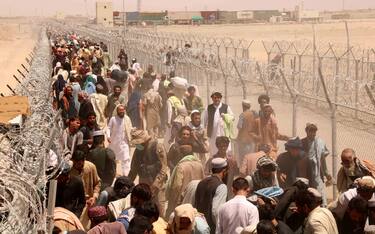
<point>333,108</point>
<point>334,150</point>
<point>356,87</point>
<point>51,204</point>
<point>294,124</point>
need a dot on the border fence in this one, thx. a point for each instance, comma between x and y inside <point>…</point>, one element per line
<point>328,84</point>
<point>308,82</point>
<point>25,154</point>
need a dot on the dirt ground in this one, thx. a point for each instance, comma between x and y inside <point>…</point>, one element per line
<point>16,42</point>
<point>362,33</point>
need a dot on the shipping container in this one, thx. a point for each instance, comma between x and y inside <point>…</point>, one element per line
<point>152,16</point>
<point>245,15</point>
<point>210,15</point>
<point>341,16</point>
<point>227,16</point>
<point>182,15</point>
<point>265,15</point>
<point>132,16</point>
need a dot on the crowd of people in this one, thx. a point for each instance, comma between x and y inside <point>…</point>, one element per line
<point>146,156</point>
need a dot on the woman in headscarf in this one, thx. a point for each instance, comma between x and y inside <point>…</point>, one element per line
<point>135,108</point>
<point>186,219</point>
<point>89,85</point>
<point>101,81</point>
<point>58,87</point>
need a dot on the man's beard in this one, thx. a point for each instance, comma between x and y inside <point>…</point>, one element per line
<point>121,116</point>
<point>350,171</point>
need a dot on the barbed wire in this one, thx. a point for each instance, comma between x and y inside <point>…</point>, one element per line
<point>24,155</point>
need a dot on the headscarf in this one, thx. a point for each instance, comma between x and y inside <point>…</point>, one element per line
<point>59,85</point>
<point>89,79</point>
<point>183,211</point>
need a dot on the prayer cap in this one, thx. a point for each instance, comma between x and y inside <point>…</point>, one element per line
<point>98,133</point>
<point>97,211</point>
<point>195,111</point>
<point>218,163</point>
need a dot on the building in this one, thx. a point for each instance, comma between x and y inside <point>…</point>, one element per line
<point>60,15</point>
<point>104,13</point>
<point>303,15</point>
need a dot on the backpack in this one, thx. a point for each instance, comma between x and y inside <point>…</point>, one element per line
<point>148,168</point>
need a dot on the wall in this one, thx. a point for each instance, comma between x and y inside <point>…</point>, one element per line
<point>265,15</point>
<point>227,16</point>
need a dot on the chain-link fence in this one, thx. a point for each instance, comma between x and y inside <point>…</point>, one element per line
<point>327,84</point>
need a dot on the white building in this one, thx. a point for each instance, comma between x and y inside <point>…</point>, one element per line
<point>104,13</point>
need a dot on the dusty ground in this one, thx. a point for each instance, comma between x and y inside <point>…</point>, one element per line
<point>16,42</point>
<point>362,33</point>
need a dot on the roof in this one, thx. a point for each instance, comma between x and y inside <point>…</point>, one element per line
<point>13,106</point>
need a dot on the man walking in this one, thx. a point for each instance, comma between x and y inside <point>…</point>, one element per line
<point>246,122</point>
<point>99,102</point>
<point>266,130</point>
<point>199,134</point>
<point>214,120</point>
<point>188,168</point>
<point>149,162</point>
<point>316,153</point>
<point>237,212</point>
<point>152,103</point>
<point>193,102</point>
<point>114,99</point>
<point>118,135</point>
<point>103,158</point>
<point>211,192</point>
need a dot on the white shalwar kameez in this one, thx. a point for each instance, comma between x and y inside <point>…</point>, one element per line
<point>119,142</point>
<point>217,129</point>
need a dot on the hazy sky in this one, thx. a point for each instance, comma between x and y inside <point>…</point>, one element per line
<point>50,7</point>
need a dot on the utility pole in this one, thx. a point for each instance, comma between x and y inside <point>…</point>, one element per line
<point>139,2</point>
<point>123,15</point>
